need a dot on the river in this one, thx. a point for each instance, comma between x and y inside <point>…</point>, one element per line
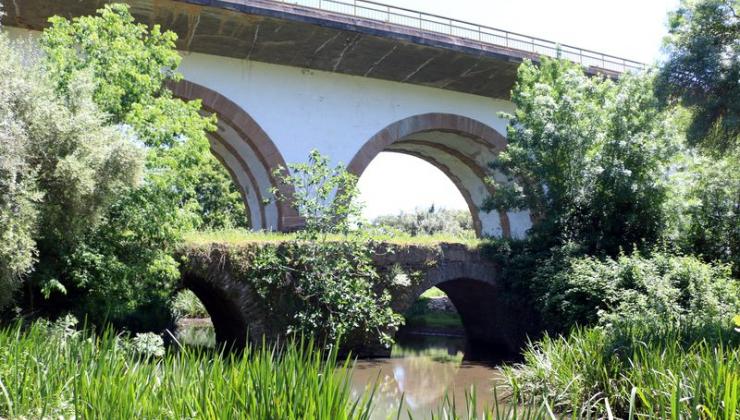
<point>423,370</point>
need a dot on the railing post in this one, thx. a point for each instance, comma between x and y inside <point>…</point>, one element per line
<point>506,39</point>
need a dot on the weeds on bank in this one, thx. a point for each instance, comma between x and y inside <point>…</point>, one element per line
<point>54,371</point>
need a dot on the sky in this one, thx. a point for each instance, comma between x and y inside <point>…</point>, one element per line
<point>631,29</point>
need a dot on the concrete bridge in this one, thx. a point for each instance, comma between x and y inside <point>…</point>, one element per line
<point>492,320</point>
<point>350,78</point>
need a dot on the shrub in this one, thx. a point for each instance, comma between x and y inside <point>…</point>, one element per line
<point>18,191</point>
<point>673,290</point>
<point>186,304</point>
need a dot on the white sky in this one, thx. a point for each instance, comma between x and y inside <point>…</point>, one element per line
<point>631,29</point>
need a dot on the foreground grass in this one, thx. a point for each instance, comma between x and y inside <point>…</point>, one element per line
<point>56,372</point>
<point>241,236</point>
<point>638,373</point>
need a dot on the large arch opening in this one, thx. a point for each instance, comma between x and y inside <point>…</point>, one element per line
<point>462,148</point>
<point>249,156</point>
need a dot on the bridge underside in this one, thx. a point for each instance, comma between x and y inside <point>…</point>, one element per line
<point>280,33</point>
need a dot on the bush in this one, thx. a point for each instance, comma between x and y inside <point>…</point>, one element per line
<point>18,191</point>
<point>672,290</point>
<point>186,305</point>
<point>328,290</point>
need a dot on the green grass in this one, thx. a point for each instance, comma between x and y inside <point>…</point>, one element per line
<point>48,372</point>
<point>240,236</point>
<point>432,293</point>
<point>634,374</point>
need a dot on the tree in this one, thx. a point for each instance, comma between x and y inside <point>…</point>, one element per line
<point>130,66</point>
<point>327,288</point>
<point>431,221</point>
<point>18,192</point>
<point>63,166</point>
<point>324,197</point>
<point>702,70</point>
<point>587,156</point>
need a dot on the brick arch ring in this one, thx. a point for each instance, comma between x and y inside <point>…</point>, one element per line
<point>398,137</point>
<point>249,156</point>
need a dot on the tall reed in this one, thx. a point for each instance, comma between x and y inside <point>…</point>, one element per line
<point>45,373</point>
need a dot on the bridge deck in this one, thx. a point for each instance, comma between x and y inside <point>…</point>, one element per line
<point>346,36</point>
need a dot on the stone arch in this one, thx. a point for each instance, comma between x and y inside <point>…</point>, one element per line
<point>459,146</point>
<point>248,154</point>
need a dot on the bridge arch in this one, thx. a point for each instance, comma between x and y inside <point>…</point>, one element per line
<point>248,154</point>
<point>460,147</point>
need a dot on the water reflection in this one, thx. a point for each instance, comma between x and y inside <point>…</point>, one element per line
<point>423,370</point>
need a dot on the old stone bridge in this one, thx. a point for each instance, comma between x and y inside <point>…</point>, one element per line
<point>466,275</point>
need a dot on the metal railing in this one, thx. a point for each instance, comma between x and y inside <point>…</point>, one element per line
<point>482,34</point>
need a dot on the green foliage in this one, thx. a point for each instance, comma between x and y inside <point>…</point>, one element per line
<point>710,225</point>
<point>634,372</point>
<point>18,190</point>
<point>75,167</point>
<point>433,221</point>
<point>328,290</point>
<point>319,287</point>
<point>702,71</point>
<point>587,156</point>
<point>324,197</point>
<point>131,64</point>
<point>186,305</point>
<point>53,371</point>
<point>678,291</point>
<point>124,169</point>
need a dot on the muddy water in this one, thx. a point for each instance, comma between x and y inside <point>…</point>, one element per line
<point>422,371</point>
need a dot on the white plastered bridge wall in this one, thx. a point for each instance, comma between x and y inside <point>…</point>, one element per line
<point>337,114</point>
<point>299,109</point>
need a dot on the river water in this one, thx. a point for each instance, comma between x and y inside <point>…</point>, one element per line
<point>422,371</point>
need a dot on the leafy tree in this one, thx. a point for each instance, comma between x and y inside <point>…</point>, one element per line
<point>18,192</point>
<point>325,197</point>
<point>587,156</point>
<point>712,210</point>
<point>130,66</point>
<point>64,166</point>
<point>326,288</point>
<point>702,70</point>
